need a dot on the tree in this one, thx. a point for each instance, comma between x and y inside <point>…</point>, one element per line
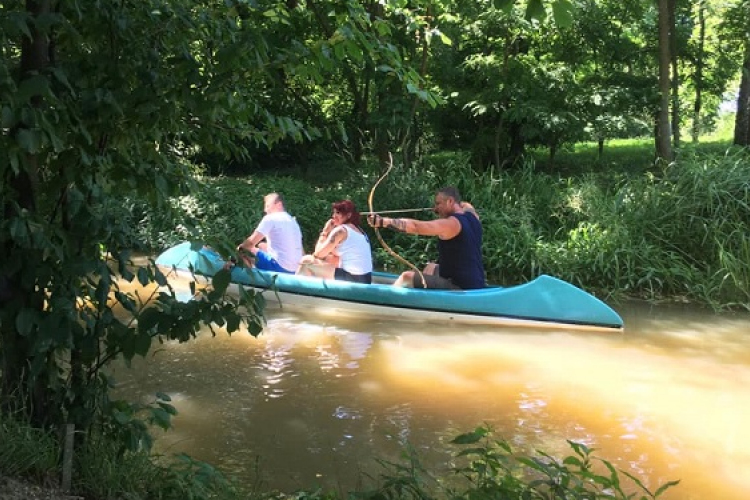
<point>742,122</point>
<point>698,76</point>
<point>736,32</point>
<point>105,100</point>
<point>663,133</point>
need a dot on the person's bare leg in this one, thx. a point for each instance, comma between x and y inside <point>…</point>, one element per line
<point>313,267</point>
<point>304,266</point>
<point>406,280</point>
<point>322,270</point>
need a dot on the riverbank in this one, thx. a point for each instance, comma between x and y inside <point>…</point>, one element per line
<point>18,489</point>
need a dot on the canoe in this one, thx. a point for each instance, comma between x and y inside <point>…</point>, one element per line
<point>545,302</point>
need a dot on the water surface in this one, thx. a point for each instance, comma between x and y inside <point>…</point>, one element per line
<point>314,402</point>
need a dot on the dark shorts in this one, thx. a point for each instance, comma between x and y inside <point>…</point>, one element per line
<point>342,275</point>
<point>434,281</point>
<point>267,263</point>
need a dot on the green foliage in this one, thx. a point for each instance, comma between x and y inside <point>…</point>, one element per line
<point>102,470</point>
<point>226,210</point>
<point>102,105</point>
<point>490,468</point>
<point>106,474</point>
<point>673,233</point>
<point>485,468</point>
<point>26,451</point>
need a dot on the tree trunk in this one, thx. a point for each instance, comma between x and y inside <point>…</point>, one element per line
<point>497,146</point>
<point>675,76</point>
<point>20,390</point>
<point>698,77</point>
<point>600,148</point>
<point>742,121</point>
<point>663,136</point>
<point>382,149</point>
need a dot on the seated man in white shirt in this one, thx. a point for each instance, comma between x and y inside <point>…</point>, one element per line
<point>282,249</point>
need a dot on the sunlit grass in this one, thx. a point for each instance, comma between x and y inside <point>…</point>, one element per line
<point>618,225</point>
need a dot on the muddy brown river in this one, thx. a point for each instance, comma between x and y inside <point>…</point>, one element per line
<point>313,402</point>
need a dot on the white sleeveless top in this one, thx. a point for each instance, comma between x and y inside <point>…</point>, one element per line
<point>355,253</point>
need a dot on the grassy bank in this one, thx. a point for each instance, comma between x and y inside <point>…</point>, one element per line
<point>677,232</point>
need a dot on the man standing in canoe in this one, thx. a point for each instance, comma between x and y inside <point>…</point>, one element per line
<point>459,233</point>
<point>282,249</point>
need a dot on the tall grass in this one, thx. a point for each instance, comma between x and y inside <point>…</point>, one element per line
<point>678,232</point>
<point>101,471</point>
<point>27,452</point>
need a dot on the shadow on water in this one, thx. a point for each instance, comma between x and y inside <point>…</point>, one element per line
<point>313,402</point>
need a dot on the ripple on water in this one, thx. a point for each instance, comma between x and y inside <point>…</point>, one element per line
<point>316,403</point>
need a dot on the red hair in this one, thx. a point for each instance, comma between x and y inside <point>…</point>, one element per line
<point>346,207</point>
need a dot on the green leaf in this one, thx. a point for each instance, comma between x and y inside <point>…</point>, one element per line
<point>161,280</point>
<point>163,396</point>
<point>664,487</point>
<point>573,461</point>
<point>7,118</point>
<point>504,5</point>
<point>62,78</point>
<point>120,417</point>
<point>25,321</point>
<point>233,322</point>
<point>168,408</point>
<point>562,11</point>
<point>580,448</point>
<point>535,10</point>
<point>31,87</point>
<point>142,344</point>
<point>148,319</point>
<point>470,437</point>
<point>255,327</point>
<point>471,451</point>
<point>161,418</point>
<point>143,278</point>
<point>221,281</point>
<point>30,140</point>
<point>102,289</point>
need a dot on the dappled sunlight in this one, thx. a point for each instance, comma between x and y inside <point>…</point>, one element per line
<point>679,406</point>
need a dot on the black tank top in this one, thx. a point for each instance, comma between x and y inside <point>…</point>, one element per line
<point>460,258</point>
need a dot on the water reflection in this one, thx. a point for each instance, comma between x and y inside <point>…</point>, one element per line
<point>311,403</point>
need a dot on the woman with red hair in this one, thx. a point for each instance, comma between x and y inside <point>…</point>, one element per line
<point>343,249</point>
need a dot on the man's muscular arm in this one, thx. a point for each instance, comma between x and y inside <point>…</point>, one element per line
<point>443,228</point>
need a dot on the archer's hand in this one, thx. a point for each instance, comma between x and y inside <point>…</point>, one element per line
<point>376,221</point>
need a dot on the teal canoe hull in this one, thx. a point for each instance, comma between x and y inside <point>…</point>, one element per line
<point>544,301</point>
